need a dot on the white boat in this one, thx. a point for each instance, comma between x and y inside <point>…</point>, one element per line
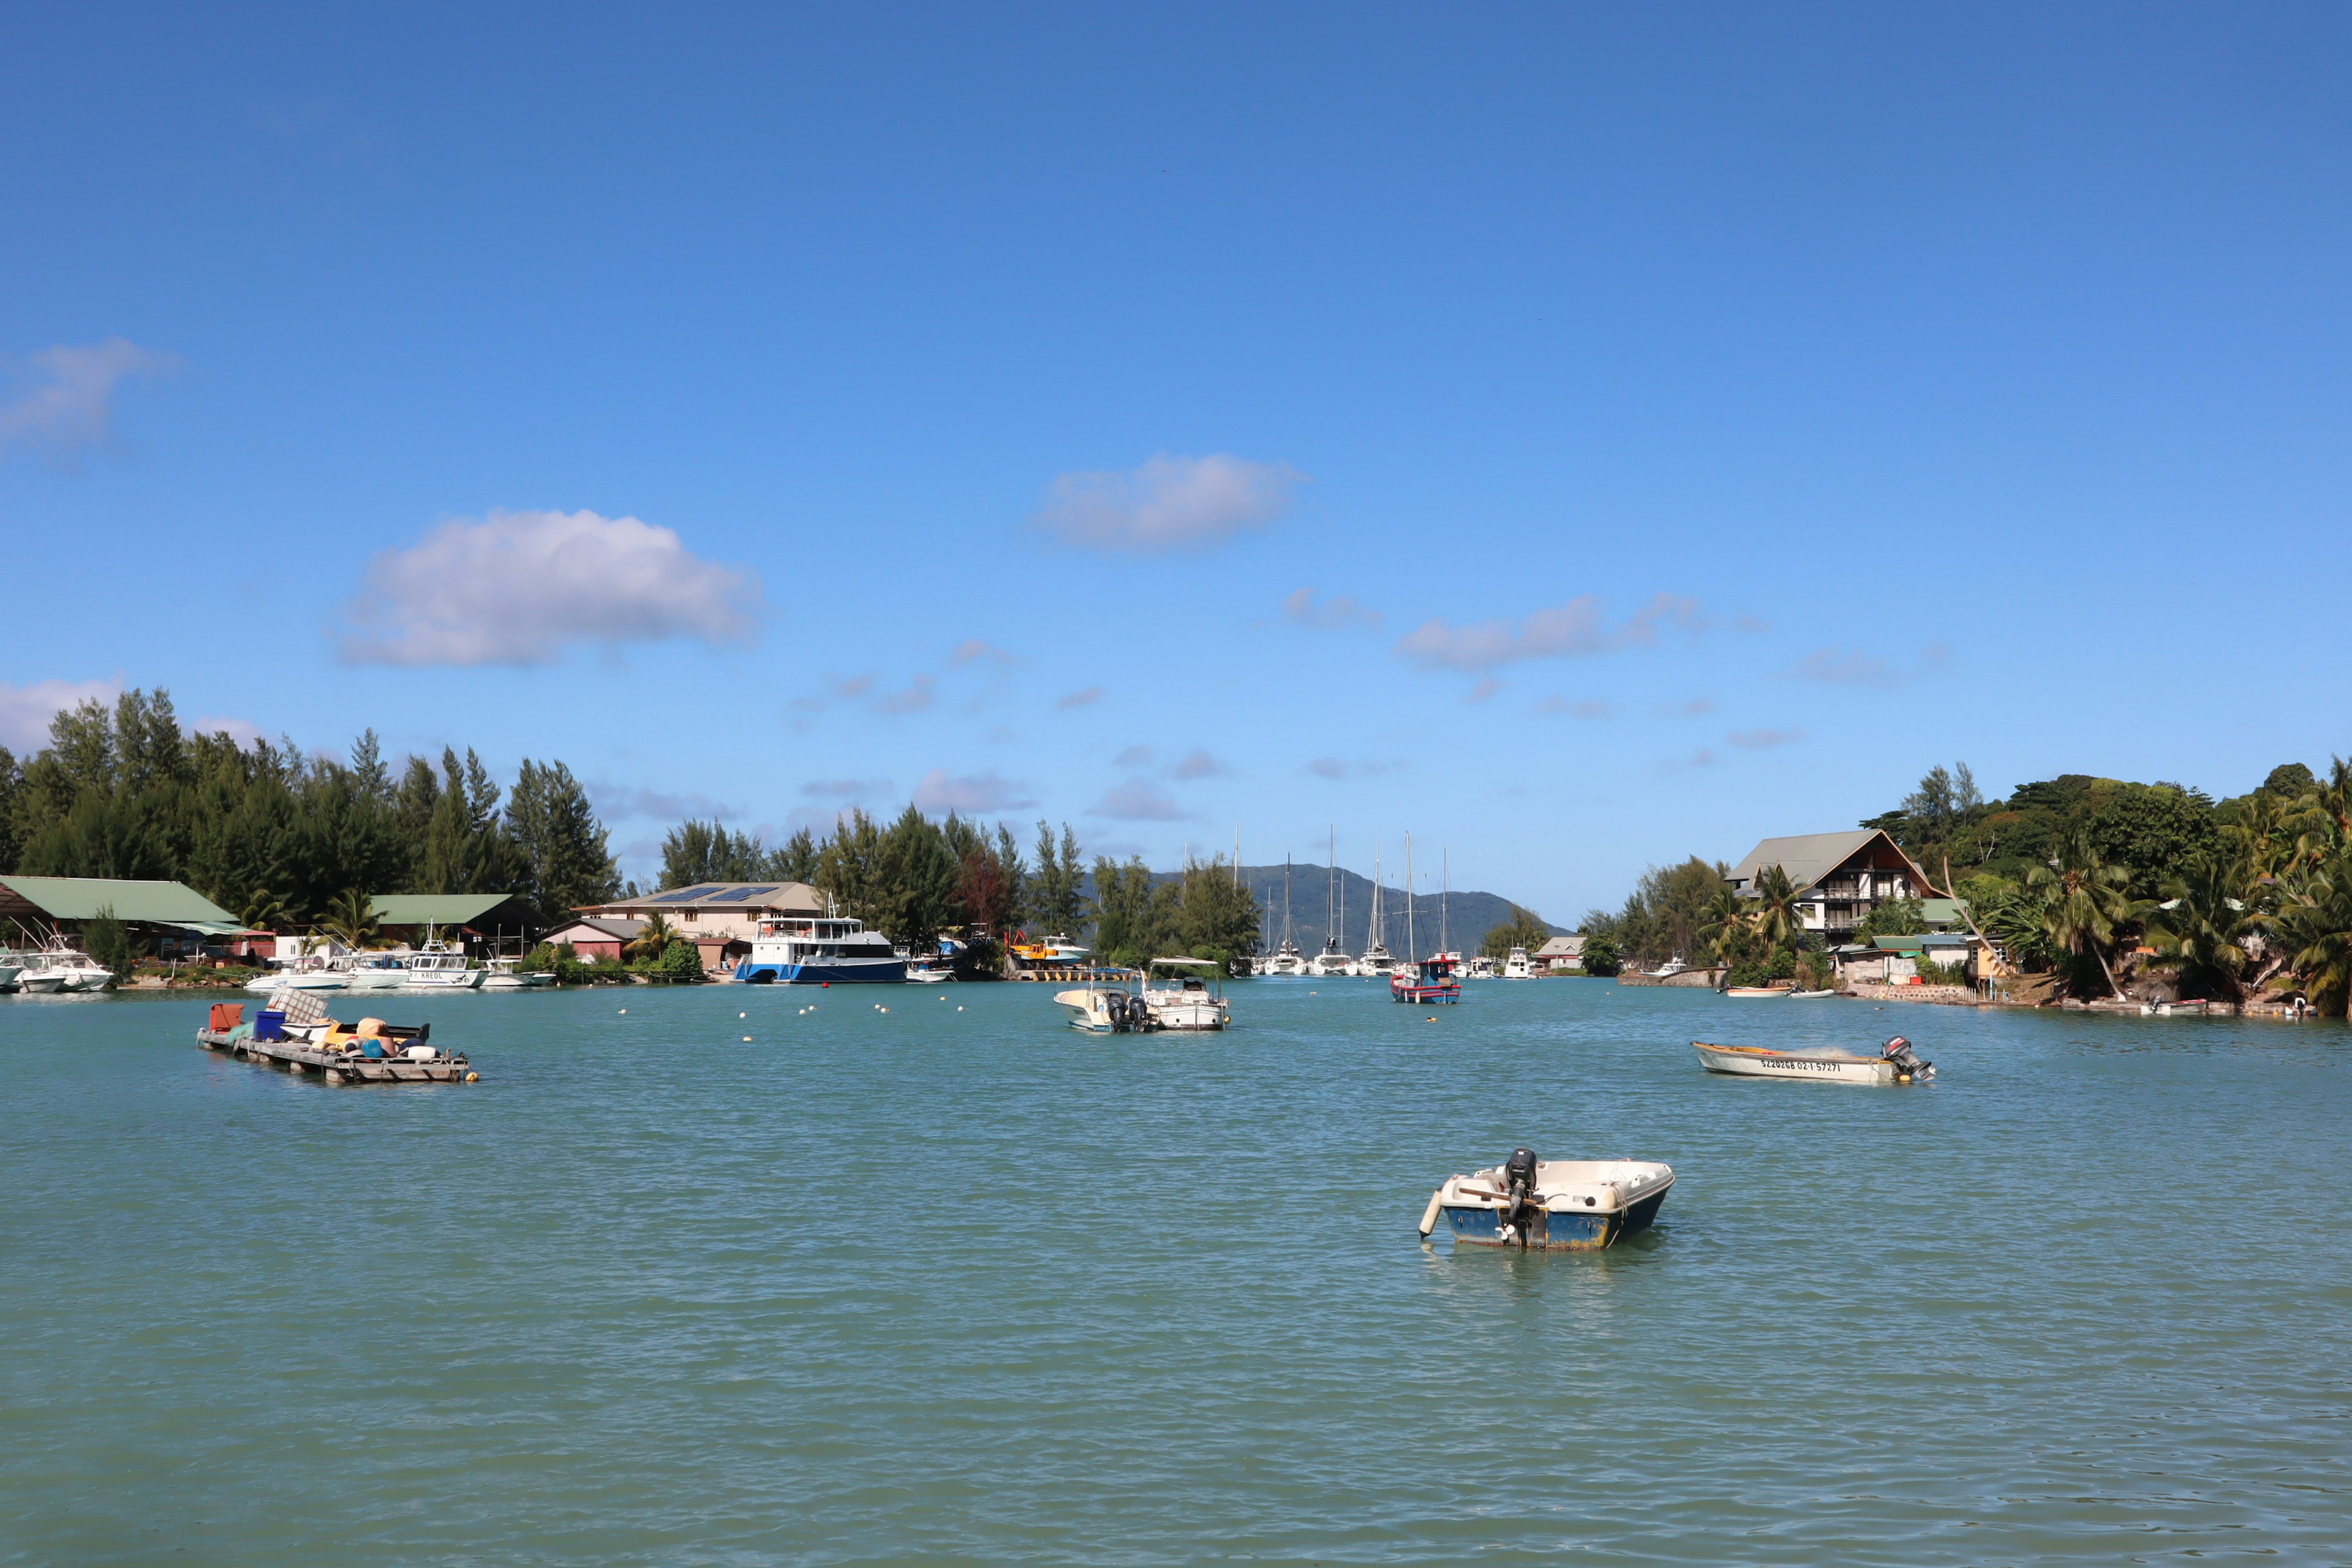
<point>502,975</point>
<point>299,980</point>
<point>377,971</point>
<point>1376,963</point>
<point>1187,1004</point>
<point>1757,993</point>
<point>1517,967</point>
<point>832,950</point>
<point>436,966</point>
<point>1106,1010</point>
<point>1809,995</point>
<point>1895,1063</point>
<point>1479,967</point>
<point>59,967</point>
<point>1576,1206</point>
<point>10,968</point>
<point>1332,963</point>
<point>1667,970</point>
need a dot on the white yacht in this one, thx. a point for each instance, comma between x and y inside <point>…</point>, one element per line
<point>436,966</point>
<point>10,967</point>
<point>802,950</point>
<point>375,971</point>
<point>1377,963</point>
<point>1333,961</point>
<point>1517,967</point>
<point>502,975</point>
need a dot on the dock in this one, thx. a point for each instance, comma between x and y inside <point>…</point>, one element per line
<point>335,1067</point>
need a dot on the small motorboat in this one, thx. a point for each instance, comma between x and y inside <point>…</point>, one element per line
<point>1187,1004</point>
<point>1757,993</point>
<point>1895,1063</point>
<point>1811,995</point>
<point>1576,1206</point>
<point>1106,1010</point>
<point>1432,980</point>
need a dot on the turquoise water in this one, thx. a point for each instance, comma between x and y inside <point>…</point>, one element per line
<point>932,1286</point>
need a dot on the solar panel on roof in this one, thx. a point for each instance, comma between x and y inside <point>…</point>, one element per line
<point>684,895</point>
<point>731,896</point>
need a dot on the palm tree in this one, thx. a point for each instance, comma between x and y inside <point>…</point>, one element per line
<point>265,911</point>
<point>2083,901</point>
<point>1725,926</point>
<point>352,921</point>
<point>2200,927</point>
<point>655,940</point>
<point>1775,919</point>
<point>2315,919</point>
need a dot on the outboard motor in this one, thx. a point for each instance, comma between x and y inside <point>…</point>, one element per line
<point>1519,1185</point>
<point>1907,1060</point>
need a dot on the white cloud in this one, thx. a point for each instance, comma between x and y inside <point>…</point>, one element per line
<point>519,587</point>
<point>1755,739</point>
<point>1167,503</point>
<point>1299,608</point>
<point>1591,707</point>
<point>938,792</point>
<point>1851,666</point>
<point>918,696</point>
<point>1328,767</point>
<point>1085,698</point>
<point>1133,757</point>
<point>619,800</point>
<point>973,648</point>
<point>1198,764</point>
<point>67,403</point>
<point>1573,630</point>
<point>1138,800</point>
<point>26,711</point>
<point>847,790</point>
<point>244,731</point>
<point>1485,689</point>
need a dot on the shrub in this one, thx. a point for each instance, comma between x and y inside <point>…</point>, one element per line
<point>107,941</point>
<point>1600,957</point>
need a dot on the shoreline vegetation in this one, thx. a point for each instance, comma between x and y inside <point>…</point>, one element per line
<point>2098,891</point>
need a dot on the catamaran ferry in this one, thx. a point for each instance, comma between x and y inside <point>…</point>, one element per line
<point>795,949</point>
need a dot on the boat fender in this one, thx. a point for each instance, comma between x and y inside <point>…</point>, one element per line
<point>1429,1214</point>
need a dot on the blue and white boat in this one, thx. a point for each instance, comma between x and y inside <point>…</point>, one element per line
<point>803,950</point>
<point>1576,1206</point>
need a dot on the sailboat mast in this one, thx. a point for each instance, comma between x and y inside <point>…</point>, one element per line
<point>1445,890</point>
<point>1411,951</point>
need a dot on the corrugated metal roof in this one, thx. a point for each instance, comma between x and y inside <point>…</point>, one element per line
<point>81,899</point>
<point>1810,856</point>
<point>435,909</point>
<point>797,896</point>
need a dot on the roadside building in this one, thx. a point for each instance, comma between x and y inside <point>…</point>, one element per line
<point>594,938</point>
<point>471,923</point>
<point>1839,877</point>
<point>718,917</point>
<point>176,918</point>
<point>1561,955</point>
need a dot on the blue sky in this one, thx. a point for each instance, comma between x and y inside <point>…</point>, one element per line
<point>1579,435</point>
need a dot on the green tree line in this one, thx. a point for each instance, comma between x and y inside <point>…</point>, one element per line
<point>277,837</point>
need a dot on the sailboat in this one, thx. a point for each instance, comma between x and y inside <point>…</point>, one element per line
<point>1286,959</point>
<point>1333,960</point>
<point>1376,963</point>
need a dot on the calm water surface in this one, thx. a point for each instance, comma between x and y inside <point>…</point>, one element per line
<point>939,1285</point>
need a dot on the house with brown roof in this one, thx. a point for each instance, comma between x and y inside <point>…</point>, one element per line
<point>719,918</point>
<point>1839,877</point>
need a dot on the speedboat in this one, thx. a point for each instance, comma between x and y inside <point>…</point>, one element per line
<point>59,967</point>
<point>1576,1206</point>
<point>1895,1063</point>
<point>503,975</point>
<point>299,980</point>
<point>1187,1003</point>
<point>1106,1010</point>
<point>9,970</point>
<point>381,971</point>
<point>1057,950</point>
<point>1432,980</point>
<point>1757,992</point>
<point>1517,967</point>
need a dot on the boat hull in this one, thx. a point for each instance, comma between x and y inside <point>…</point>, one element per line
<point>1566,1230</point>
<point>1734,1061</point>
<point>1418,994</point>
<point>852,972</point>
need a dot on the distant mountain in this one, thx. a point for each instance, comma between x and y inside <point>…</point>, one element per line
<point>1463,918</point>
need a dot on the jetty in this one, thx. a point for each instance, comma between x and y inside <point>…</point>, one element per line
<point>337,1058</point>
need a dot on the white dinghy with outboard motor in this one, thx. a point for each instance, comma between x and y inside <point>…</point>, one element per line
<point>1895,1063</point>
<point>1576,1206</point>
<point>1107,1009</point>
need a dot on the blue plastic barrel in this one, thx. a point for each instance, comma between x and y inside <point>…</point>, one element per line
<point>269,1026</point>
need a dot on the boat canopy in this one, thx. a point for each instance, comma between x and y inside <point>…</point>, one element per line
<point>1201,963</point>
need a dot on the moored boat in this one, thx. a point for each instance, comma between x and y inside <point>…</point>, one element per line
<point>1187,1004</point>
<point>1517,967</point>
<point>1757,992</point>
<point>1101,1009</point>
<point>1576,1206</point>
<point>798,950</point>
<point>1431,980</point>
<point>1895,1063</point>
